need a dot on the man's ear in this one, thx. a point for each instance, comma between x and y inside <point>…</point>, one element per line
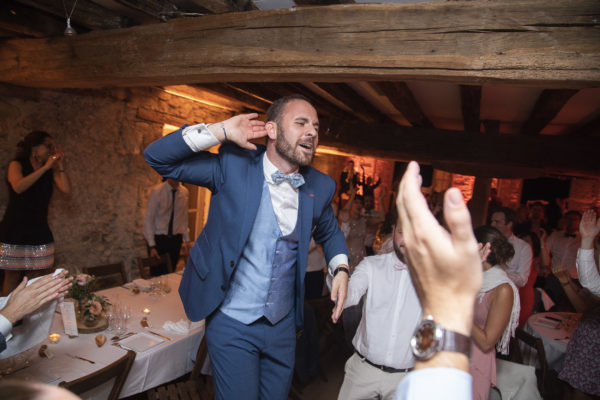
<point>271,128</point>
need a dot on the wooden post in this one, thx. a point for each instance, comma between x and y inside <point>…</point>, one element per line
<point>479,202</point>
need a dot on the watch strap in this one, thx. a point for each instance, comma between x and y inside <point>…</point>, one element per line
<point>456,342</point>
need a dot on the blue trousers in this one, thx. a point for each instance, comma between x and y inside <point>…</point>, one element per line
<point>251,362</point>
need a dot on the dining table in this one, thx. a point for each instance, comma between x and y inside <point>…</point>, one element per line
<point>555,329</point>
<point>161,354</point>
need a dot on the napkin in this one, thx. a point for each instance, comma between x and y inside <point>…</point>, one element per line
<point>34,329</point>
<point>143,284</point>
<point>181,327</point>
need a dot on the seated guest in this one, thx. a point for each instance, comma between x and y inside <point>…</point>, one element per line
<point>496,311</point>
<point>391,312</point>
<point>527,292</point>
<point>581,368</point>
<point>27,299</point>
<point>445,269</point>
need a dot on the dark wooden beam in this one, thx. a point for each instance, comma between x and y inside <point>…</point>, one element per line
<point>470,104</point>
<point>526,43</point>
<point>546,107</point>
<point>491,126</point>
<point>359,106</point>
<point>402,98</point>
<point>27,21</point>
<point>567,154</point>
<point>592,128</point>
<point>250,102</point>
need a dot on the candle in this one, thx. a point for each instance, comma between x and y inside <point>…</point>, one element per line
<point>54,337</point>
<point>146,311</point>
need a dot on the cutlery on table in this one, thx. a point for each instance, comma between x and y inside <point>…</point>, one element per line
<point>162,336</point>
<point>82,359</point>
<point>124,336</point>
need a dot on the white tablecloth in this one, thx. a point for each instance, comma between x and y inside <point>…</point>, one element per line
<point>554,334</point>
<point>153,367</point>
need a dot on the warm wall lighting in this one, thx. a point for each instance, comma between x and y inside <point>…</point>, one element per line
<point>332,151</point>
<point>167,128</point>
<point>194,94</point>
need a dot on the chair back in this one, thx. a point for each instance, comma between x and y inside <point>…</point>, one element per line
<point>118,370</point>
<point>146,265</point>
<point>109,275</point>
<point>536,344</point>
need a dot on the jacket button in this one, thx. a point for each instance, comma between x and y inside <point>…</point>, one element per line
<point>223,287</point>
<point>231,264</point>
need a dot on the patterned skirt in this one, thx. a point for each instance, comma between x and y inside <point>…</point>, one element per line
<point>19,257</point>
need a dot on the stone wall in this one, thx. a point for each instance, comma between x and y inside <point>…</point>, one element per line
<point>103,138</point>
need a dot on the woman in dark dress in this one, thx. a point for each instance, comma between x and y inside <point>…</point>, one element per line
<point>26,242</point>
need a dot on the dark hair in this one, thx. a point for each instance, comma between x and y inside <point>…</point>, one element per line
<point>388,223</point>
<point>32,139</point>
<point>535,242</point>
<point>501,250</point>
<point>509,215</point>
<point>275,111</point>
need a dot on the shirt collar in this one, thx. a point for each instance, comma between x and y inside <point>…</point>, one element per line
<point>269,168</point>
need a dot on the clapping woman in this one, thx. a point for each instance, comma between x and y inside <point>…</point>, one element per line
<point>496,313</point>
<point>26,242</point>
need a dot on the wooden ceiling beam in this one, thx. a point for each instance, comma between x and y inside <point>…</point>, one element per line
<point>26,21</point>
<point>525,43</point>
<point>251,103</point>
<point>592,128</point>
<point>142,13</point>
<point>551,153</point>
<point>470,104</point>
<point>360,107</point>
<point>402,98</point>
<point>547,106</point>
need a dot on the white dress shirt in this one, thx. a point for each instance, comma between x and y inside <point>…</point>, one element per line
<point>563,251</point>
<point>5,327</point>
<point>520,265</point>
<point>588,271</point>
<point>284,197</point>
<point>158,212</point>
<point>436,383</point>
<point>391,311</point>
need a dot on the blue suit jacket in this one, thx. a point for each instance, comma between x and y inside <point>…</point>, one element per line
<point>235,177</point>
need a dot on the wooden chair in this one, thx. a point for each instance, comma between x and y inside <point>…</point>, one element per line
<point>117,370</point>
<point>109,275</point>
<point>197,387</point>
<point>145,265</point>
<point>547,378</point>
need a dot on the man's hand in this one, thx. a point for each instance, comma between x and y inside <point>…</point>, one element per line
<point>339,291</point>
<point>154,253</point>
<point>445,267</point>
<point>240,130</point>
<point>26,299</point>
<point>589,227</point>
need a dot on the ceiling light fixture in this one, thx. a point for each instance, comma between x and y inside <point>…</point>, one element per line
<point>69,31</point>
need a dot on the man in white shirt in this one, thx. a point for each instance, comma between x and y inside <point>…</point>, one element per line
<point>166,221</point>
<point>519,266</point>
<point>562,245</point>
<point>586,265</point>
<point>391,312</point>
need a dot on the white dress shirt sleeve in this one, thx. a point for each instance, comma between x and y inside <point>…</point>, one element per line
<point>359,283</point>
<point>340,259</point>
<point>588,271</point>
<point>199,137</point>
<point>149,217</point>
<point>5,327</point>
<point>520,265</point>
<point>435,383</point>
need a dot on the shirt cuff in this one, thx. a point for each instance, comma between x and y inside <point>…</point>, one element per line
<point>5,327</point>
<point>586,254</point>
<point>337,261</point>
<point>199,137</point>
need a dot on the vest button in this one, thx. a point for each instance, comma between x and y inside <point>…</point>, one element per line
<point>223,287</point>
<point>231,264</point>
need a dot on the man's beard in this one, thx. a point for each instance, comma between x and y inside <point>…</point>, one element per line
<point>399,254</point>
<point>292,154</point>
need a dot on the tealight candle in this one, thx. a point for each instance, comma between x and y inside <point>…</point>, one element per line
<point>146,311</point>
<point>54,337</point>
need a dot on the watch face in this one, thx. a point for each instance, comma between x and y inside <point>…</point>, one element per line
<point>426,340</point>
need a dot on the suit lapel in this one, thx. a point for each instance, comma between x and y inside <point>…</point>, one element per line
<point>305,214</point>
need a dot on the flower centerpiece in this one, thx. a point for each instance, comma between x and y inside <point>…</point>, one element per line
<point>90,306</point>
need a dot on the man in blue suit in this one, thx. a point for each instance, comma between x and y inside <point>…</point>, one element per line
<point>245,273</point>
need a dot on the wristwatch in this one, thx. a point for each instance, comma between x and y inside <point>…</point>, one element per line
<point>430,338</point>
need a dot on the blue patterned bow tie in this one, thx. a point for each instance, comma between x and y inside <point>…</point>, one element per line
<point>296,180</point>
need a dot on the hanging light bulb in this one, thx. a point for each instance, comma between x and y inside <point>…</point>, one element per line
<point>69,31</point>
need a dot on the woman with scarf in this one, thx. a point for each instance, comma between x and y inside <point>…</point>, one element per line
<point>496,311</point>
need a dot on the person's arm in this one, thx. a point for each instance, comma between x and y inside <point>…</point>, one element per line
<point>149,218</point>
<point>358,284</point>
<point>498,318</point>
<point>445,267</point>
<point>61,179</point>
<point>20,183</point>
<point>589,227</point>
<point>26,299</point>
<point>525,256</point>
<point>581,304</point>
